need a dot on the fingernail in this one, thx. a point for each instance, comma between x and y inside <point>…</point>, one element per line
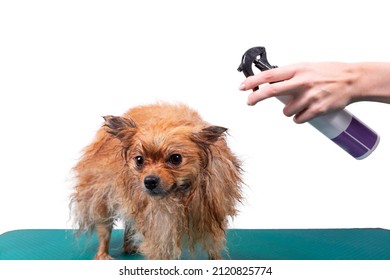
<point>242,87</point>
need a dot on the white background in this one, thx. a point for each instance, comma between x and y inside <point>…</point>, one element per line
<point>64,64</point>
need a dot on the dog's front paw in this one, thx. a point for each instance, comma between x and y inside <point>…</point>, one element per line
<point>216,256</point>
<point>130,248</point>
<point>103,256</point>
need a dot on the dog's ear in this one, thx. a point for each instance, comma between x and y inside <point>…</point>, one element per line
<point>121,128</point>
<point>211,134</point>
<point>205,139</point>
<point>208,135</point>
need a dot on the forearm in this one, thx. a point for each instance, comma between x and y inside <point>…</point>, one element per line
<point>372,82</point>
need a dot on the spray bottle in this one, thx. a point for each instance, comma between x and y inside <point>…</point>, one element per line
<point>343,128</point>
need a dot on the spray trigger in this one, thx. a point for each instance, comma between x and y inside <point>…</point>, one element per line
<point>256,56</point>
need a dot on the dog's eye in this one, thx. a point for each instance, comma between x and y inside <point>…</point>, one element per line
<point>139,161</point>
<point>175,159</point>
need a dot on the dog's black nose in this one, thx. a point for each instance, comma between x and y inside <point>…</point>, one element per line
<point>151,182</point>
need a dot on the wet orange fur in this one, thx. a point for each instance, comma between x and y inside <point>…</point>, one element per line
<point>193,199</point>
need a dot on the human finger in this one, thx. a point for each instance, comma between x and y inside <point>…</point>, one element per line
<point>304,116</point>
<point>297,104</point>
<point>269,76</point>
<point>287,87</point>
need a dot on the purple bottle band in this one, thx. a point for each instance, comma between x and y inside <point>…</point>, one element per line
<point>357,139</point>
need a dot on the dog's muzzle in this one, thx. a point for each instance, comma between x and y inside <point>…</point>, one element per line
<point>152,184</point>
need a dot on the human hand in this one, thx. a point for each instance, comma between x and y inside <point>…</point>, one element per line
<point>313,88</point>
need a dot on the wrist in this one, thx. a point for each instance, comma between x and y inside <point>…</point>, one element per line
<point>358,85</point>
<point>371,82</point>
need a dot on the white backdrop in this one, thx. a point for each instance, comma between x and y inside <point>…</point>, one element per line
<point>64,64</point>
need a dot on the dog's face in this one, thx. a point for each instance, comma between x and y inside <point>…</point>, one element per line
<point>164,158</point>
<point>164,161</point>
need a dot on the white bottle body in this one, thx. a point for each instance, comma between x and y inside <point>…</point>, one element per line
<point>347,131</point>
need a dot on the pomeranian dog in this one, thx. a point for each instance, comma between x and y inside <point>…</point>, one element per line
<point>167,174</point>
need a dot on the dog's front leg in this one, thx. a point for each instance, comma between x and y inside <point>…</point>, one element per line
<point>104,235</point>
<point>129,244</point>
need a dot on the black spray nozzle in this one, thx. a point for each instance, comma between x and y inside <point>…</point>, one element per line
<point>256,56</point>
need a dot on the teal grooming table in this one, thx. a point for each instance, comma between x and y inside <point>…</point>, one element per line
<point>242,244</point>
